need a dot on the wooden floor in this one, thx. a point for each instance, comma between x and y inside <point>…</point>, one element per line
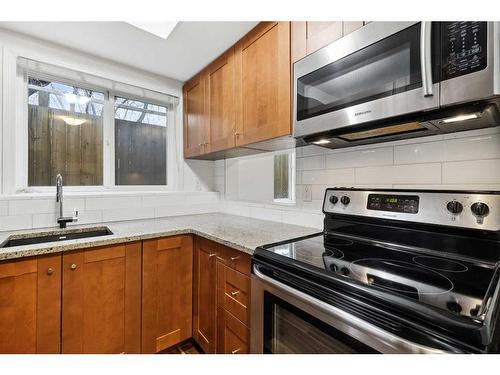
<point>188,347</point>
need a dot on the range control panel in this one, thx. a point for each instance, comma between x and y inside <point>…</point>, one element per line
<point>475,210</point>
<point>393,203</point>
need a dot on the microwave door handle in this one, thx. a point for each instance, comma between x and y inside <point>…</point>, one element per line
<point>425,58</point>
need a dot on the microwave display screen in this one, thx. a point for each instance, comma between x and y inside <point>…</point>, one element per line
<point>393,203</point>
<point>464,48</point>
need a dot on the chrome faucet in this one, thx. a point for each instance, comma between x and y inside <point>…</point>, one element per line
<point>62,220</point>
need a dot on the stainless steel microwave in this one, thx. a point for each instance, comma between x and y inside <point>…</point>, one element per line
<point>393,80</point>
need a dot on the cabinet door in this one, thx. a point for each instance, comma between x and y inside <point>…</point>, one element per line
<point>101,299</point>
<point>263,85</point>
<point>233,336</point>
<point>220,100</point>
<point>167,292</point>
<point>30,305</point>
<point>195,127</point>
<point>204,312</point>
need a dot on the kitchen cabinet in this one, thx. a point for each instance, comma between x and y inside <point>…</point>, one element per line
<point>220,95</point>
<point>243,97</point>
<point>204,310</point>
<point>167,291</point>
<point>30,303</point>
<point>308,37</point>
<point>263,83</point>
<point>101,300</point>
<point>222,298</point>
<point>196,134</point>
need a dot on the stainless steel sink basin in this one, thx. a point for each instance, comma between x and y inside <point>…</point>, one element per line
<point>36,238</point>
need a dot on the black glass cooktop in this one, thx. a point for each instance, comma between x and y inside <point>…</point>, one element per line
<point>455,285</point>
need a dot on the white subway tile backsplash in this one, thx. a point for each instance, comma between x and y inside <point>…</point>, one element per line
<point>265,213</point>
<point>303,218</point>
<point>400,174</point>
<point>467,172</point>
<point>419,153</point>
<point>311,163</point>
<point>128,214</point>
<point>331,177</point>
<point>361,158</point>
<point>16,222</point>
<point>31,206</point>
<point>4,208</point>
<point>109,203</point>
<point>163,200</point>
<point>473,148</point>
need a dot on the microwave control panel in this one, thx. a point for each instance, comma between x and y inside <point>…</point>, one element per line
<point>464,48</point>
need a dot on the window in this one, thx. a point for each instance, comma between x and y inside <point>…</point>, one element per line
<point>99,134</point>
<point>65,130</point>
<point>284,171</point>
<point>140,143</point>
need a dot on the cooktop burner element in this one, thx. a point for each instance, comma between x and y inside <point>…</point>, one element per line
<point>401,277</point>
<point>440,264</point>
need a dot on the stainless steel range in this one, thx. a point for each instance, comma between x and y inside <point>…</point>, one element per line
<point>392,272</point>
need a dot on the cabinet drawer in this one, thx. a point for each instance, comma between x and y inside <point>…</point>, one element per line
<point>235,259</point>
<point>233,292</point>
<point>234,336</point>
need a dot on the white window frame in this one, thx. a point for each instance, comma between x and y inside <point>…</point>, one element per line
<point>291,200</point>
<point>21,137</point>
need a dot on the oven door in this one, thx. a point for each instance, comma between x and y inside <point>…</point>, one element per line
<point>285,320</point>
<point>382,70</point>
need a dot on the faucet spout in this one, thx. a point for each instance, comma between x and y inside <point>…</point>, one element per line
<point>62,220</point>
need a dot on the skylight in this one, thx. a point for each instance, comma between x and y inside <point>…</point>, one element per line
<point>159,29</point>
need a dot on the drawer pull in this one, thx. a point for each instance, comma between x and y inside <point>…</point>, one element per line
<point>235,293</point>
<point>212,255</point>
<point>50,271</point>
<point>235,351</point>
<point>234,258</point>
<point>72,267</point>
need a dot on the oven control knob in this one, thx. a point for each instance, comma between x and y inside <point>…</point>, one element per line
<point>454,307</point>
<point>454,207</point>
<point>480,209</point>
<point>345,271</point>
<point>334,199</point>
<point>345,200</point>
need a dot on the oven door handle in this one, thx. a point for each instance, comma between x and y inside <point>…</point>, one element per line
<point>426,57</point>
<point>391,343</point>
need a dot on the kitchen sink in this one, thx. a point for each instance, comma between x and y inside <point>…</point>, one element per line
<point>36,238</point>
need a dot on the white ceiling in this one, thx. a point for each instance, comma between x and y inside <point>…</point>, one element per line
<point>189,48</point>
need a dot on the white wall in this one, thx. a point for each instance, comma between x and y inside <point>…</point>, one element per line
<point>461,161</point>
<point>23,211</point>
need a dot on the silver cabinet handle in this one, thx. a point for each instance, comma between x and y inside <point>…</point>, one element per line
<point>235,351</point>
<point>73,267</point>
<point>50,271</point>
<point>235,293</point>
<point>234,258</point>
<point>426,57</point>
<point>212,255</point>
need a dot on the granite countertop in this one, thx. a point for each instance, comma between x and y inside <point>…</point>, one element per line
<point>241,233</point>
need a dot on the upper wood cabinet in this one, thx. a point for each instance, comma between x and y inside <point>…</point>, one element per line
<point>220,80</point>
<point>167,292</point>
<point>308,37</point>
<point>196,134</point>
<point>30,305</point>
<point>204,309</point>
<point>244,96</point>
<point>101,302</point>
<point>264,83</point>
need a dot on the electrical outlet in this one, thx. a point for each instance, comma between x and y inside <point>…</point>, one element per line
<point>307,193</point>
<point>198,185</point>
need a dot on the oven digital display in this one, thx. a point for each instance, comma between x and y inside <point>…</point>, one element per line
<point>393,203</point>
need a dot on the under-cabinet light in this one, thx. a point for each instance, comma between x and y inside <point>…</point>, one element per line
<point>321,142</point>
<point>461,118</point>
<point>73,121</point>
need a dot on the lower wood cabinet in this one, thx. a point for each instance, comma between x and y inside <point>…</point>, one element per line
<point>221,298</point>
<point>204,309</point>
<point>30,305</point>
<point>101,300</point>
<point>167,292</point>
